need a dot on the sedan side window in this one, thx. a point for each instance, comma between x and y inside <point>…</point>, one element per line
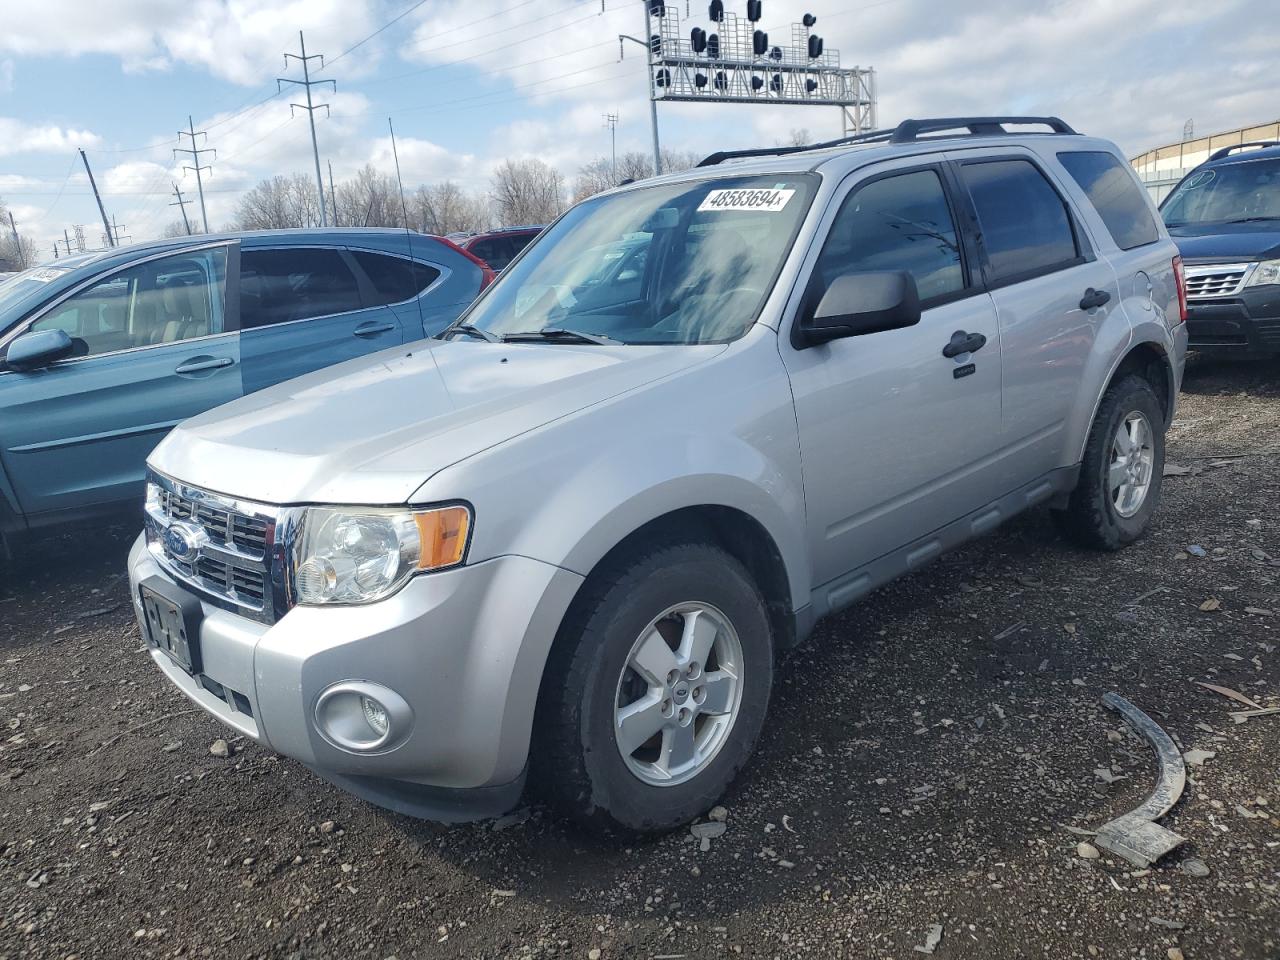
<point>277,286</point>
<point>899,222</point>
<point>160,301</point>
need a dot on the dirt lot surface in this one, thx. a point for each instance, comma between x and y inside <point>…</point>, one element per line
<point>924,753</point>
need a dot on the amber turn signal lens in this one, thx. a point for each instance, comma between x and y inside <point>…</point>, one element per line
<point>444,536</point>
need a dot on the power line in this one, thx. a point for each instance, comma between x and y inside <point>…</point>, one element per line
<point>307,83</point>
<point>361,43</point>
<point>195,158</point>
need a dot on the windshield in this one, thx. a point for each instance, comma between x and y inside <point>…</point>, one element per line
<point>16,287</point>
<point>671,263</point>
<point>1241,191</point>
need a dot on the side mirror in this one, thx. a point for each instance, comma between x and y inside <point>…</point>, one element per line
<point>38,348</point>
<point>860,303</point>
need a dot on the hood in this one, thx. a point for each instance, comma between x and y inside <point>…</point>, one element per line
<point>375,429</point>
<point>1228,241</point>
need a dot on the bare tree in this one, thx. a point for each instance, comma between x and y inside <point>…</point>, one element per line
<point>600,173</point>
<point>279,203</point>
<point>370,199</point>
<point>527,191</point>
<point>673,160</point>
<point>445,208</point>
<point>800,137</point>
<point>594,177</point>
<point>174,228</point>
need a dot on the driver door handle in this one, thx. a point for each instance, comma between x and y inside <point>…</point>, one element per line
<point>1094,298</point>
<point>195,366</point>
<point>372,328</point>
<point>962,342</point>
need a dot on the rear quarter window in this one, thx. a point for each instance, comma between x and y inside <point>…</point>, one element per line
<point>1113,192</point>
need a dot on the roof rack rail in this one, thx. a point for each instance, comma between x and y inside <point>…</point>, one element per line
<point>1227,151</point>
<point>908,131</point>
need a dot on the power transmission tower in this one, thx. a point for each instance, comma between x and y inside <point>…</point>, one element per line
<point>307,83</point>
<point>101,209</point>
<point>195,152</point>
<point>181,205</point>
<point>611,121</point>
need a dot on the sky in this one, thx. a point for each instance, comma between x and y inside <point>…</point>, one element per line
<point>469,83</point>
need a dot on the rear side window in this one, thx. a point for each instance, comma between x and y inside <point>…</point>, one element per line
<point>394,279</point>
<point>495,251</point>
<point>277,286</point>
<point>900,222</point>
<point>1111,189</point>
<point>1026,229</point>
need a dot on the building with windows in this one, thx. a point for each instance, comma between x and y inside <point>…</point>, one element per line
<point>1162,167</point>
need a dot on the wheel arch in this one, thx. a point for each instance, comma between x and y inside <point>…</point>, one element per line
<point>1149,359</point>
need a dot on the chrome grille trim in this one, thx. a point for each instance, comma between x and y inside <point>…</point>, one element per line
<point>239,564</point>
<point>1214,281</point>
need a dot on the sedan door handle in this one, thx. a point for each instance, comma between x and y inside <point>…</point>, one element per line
<point>372,329</point>
<point>196,366</point>
<point>962,342</point>
<point>1094,298</point>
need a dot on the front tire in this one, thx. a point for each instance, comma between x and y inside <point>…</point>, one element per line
<point>657,690</point>
<point>1120,476</point>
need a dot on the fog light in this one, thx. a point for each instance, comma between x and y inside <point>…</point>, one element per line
<point>375,715</point>
<point>361,716</point>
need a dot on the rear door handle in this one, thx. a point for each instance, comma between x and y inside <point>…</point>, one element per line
<point>1094,298</point>
<point>372,328</point>
<point>962,342</point>
<point>210,363</point>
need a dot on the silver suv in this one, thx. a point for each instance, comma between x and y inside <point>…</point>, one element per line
<point>567,540</point>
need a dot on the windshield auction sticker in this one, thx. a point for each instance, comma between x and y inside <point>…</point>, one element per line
<point>769,201</point>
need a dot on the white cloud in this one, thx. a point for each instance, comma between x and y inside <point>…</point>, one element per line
<point>19,137</point>
<point>6,76</point>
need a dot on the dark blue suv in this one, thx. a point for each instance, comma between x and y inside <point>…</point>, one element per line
<point>1225,217</point>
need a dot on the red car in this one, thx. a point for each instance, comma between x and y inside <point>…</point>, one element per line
<point>501,246</point>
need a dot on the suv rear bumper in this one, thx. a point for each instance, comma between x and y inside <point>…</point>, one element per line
<point>1246,323</point>
<point>464,648</point>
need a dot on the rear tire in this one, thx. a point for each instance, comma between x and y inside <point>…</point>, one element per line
<point>1120,475</point>
<point>656,691</point>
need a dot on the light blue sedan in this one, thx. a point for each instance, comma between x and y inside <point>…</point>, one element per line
<point>103,353</point>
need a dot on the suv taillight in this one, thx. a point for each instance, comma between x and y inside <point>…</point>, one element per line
<point>487,274</point>
<point>1180,278</point>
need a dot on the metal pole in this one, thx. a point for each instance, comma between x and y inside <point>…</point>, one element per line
<point>333,196</point>
<point>653,100</point>
<point>204,214</point>
<point>111,242</point>
<point>311,119</point>
<point>13,227</point>
<point>182,205</point>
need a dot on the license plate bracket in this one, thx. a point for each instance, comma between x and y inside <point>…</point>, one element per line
<point>172,620</point>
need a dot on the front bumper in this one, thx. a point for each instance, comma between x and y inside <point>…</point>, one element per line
<point>465,648</point>
<point>1246,323</point>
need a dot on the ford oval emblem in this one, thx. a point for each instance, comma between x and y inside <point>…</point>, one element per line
<point>183,541</point>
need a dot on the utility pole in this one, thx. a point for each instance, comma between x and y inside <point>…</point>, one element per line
<point>611,121</point>
<point>333,196</point>
<point>181,205</point>
<point>101,209</point>
<point>307,83</point>
<point>118,231</point>
<point>13,228</point>
<point>195,152</point>
<point>648,57</point>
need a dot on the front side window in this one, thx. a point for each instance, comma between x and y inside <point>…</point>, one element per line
<point>900,222</point>
<point>1229,193</point>
<point>277,286</point>
<point>159,301</point>
<point>1026,229</point>
<point>686,262</point>
<point>394,279</point>
<point>1110,187</point>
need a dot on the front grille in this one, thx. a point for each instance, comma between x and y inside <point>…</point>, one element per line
<point>1214,281</point>
<point>232,561</point>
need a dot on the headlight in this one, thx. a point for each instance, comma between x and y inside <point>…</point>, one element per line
<point>1268,271</point>
<point>359,555</point>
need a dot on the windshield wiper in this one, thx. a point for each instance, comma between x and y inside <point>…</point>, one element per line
<point>1250,219</point>
<point>474,331</point>
<point>557,334</point>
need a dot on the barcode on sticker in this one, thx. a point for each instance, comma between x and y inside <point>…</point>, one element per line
<point>770,201</point>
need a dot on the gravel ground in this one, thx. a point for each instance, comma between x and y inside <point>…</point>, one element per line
<point>924,753</point>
